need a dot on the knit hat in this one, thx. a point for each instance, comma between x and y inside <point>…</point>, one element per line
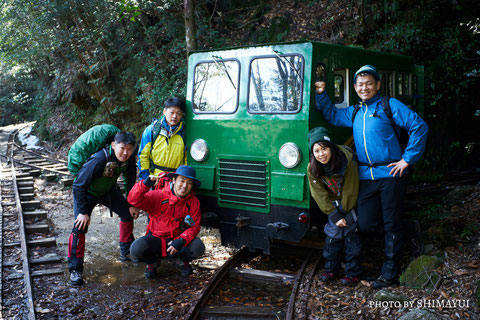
<point>315,135</point>
<point>368,69</point>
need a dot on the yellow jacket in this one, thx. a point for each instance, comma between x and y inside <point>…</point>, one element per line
<point>167,153</point>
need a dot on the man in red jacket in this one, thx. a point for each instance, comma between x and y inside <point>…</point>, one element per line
<point>174,213</point>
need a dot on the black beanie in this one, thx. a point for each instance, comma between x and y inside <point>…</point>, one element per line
<point>315,135</point>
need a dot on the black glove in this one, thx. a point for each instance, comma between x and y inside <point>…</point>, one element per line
<point>178,243</point>
<point>148,182</point>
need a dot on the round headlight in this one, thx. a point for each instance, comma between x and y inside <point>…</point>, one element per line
<point>289,155</point>
<point>199,150</point>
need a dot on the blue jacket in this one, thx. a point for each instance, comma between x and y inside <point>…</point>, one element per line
<point>375,139</point>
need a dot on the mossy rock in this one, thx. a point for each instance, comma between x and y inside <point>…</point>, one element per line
<point>421,274</point>
<point>386,295</point>
<point>419,314</point>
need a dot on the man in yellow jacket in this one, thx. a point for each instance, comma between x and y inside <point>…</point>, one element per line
<point>162,148</point>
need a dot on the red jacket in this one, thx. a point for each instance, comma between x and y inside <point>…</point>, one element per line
<point>166,211</point>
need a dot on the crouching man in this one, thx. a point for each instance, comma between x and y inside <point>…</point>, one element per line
<point>174,213</point>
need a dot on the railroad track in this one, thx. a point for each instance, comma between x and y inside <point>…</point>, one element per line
<point>28,248</point>
<point>207,306</point>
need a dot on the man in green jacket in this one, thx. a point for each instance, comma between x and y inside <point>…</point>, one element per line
<point>96,183</point>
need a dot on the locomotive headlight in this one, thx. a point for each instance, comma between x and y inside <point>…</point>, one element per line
<point>199,150</point>
<point>289,155</point>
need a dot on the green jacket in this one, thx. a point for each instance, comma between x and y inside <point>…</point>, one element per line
<point>348,192</point>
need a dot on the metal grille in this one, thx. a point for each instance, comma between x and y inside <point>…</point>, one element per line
<point>243,182</point>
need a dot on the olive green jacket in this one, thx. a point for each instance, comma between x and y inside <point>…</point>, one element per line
<point>349,189</point>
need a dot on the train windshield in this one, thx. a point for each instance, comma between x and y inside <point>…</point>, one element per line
<point>215,88</point>
<point>276,84</point>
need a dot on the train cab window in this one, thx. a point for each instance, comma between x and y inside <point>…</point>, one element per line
<point>386,88</point>
<point>403,84</point>
<point>215,87</point>
<point>341,88</point>
<point>320,73</point>
<point>275,84</point>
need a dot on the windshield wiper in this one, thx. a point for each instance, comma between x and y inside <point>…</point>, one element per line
<point>277,53</point>
<point>224,69</point>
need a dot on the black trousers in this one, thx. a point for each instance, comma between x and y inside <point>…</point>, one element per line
<point>118,204</point>
<point>333,250</point>
<point>149,249</point>
<point>380,211</point>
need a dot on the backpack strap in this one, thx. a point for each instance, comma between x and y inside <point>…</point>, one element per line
<point>388,112</point>
<point>156,130</point>
<point>355,111</point>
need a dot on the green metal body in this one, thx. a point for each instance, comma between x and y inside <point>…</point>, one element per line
<point>256,138</point>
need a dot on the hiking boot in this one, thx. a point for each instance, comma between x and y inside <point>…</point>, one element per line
<point>186,269</point>
<point>327,276</point>
<point>76,278</point>
<point>381,283</point>
<point>350,281</point>
<point>151,271</point>
<point>127,257</point>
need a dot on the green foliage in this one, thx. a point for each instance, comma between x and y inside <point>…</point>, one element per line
<point>430,215</point>
<point>450,53</point>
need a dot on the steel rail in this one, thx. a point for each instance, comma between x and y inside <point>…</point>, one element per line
<point>23,238</point>
<point>1,243</point>
<point>40,155</point>
<point>293,296</point>
<point>194,311</point>
<point>23,241</point>
<point>27,279</point>
<point>308,281</point>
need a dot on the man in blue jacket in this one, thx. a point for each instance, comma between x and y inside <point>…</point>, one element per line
<point>383,166</point>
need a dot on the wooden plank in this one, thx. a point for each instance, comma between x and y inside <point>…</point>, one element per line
<point>241,312</point>
<point>48,272</point>
<point>27,196</point>
<point>38,273</point>
<point>49,259</point>
<point>22,184</point>
<point>26,190</point>
<point>11,244</point>
<point>41,214</point>
<point>66,182</point>
<point>27,178</point>
<point>50,177</point>
<point>47,242</point>
<point>36,228</point>
<point>30,205</point>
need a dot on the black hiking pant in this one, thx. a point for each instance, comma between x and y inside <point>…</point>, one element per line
<point>379,211</point>
<point>118,204</point>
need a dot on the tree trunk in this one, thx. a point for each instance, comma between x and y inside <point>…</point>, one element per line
<point>189,13</point>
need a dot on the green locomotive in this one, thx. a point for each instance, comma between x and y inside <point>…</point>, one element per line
<point>249,110</point>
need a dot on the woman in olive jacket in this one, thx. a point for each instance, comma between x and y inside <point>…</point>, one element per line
<point>333,180</point>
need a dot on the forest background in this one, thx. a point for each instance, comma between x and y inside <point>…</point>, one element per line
<point>71,64</point>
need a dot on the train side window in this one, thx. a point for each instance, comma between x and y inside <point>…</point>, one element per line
<point>215,87</point>
<point>403,84</point>
<point>320,73</point>
<point>341,88</point>
<point>275,84</point>
<point>387,78</point>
